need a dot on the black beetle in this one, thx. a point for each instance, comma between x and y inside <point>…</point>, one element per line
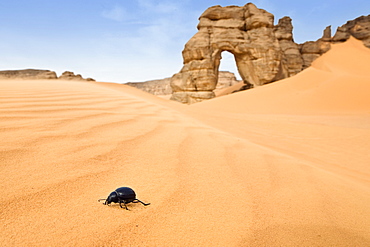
<point>122,195</point>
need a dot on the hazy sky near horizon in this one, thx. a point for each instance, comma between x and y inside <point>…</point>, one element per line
<point>135,40</point>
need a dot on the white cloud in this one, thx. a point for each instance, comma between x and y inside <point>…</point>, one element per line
<point>117,13</point>
<point>160,8</point>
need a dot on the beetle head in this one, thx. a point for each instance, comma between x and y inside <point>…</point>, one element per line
<point>113,197</point>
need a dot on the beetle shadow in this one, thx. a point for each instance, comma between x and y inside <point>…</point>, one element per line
<point>130,206</point>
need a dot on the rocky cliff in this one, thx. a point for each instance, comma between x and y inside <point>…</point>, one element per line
<point>263,52</point>
<point>28,74</point>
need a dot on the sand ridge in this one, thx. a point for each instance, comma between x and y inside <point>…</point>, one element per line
<point>336,83</point>
<point>285,164</point>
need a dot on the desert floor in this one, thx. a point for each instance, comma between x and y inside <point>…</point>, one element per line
<point>286,164</point>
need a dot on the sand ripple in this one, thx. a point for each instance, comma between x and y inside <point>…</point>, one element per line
<point>233,171</point>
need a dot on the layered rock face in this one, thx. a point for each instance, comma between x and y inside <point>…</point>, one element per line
<point>247,32</point>
<point>292,57</point>
<point>28,74</point>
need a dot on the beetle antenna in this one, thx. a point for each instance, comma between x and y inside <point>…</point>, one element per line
<point>145,204</point>
<point>101,200</point>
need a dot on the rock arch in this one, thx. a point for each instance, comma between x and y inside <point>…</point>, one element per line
<point>247,32</point>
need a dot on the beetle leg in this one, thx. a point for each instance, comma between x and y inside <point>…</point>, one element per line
<point>124,203</point>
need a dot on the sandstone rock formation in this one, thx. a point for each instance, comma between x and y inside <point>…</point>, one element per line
<point>358,28</point>
<point>311,50</point>
<point>247,32</point>
<point>263,52</point>
<point>67,75</point>
<point>292,57</point>
<point>163,87</point>
<point>28,74</point>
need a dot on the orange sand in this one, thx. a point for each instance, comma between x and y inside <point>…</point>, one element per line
<point>286,164</point>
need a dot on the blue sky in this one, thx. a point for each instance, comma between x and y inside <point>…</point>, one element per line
<point>134,40</point>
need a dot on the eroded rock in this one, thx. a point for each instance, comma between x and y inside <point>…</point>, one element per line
<point>311,50</point>
<point>292,57</point>
<point>247,32</point>
<point>358,28</point>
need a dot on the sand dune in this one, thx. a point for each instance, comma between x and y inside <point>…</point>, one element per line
<point>286,164</point>
<point>337,83</point>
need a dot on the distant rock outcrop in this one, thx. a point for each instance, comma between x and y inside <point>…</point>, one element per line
<point>28,74</point>
<point>67,75</point>
<point>263,52</point>
<point>37,74</point>
<point>163,87</point>
<point>226,79</point>
<point>156,87</point>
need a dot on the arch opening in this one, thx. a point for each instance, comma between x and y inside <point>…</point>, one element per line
<point>227,63</point>
<point>228,73</point>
